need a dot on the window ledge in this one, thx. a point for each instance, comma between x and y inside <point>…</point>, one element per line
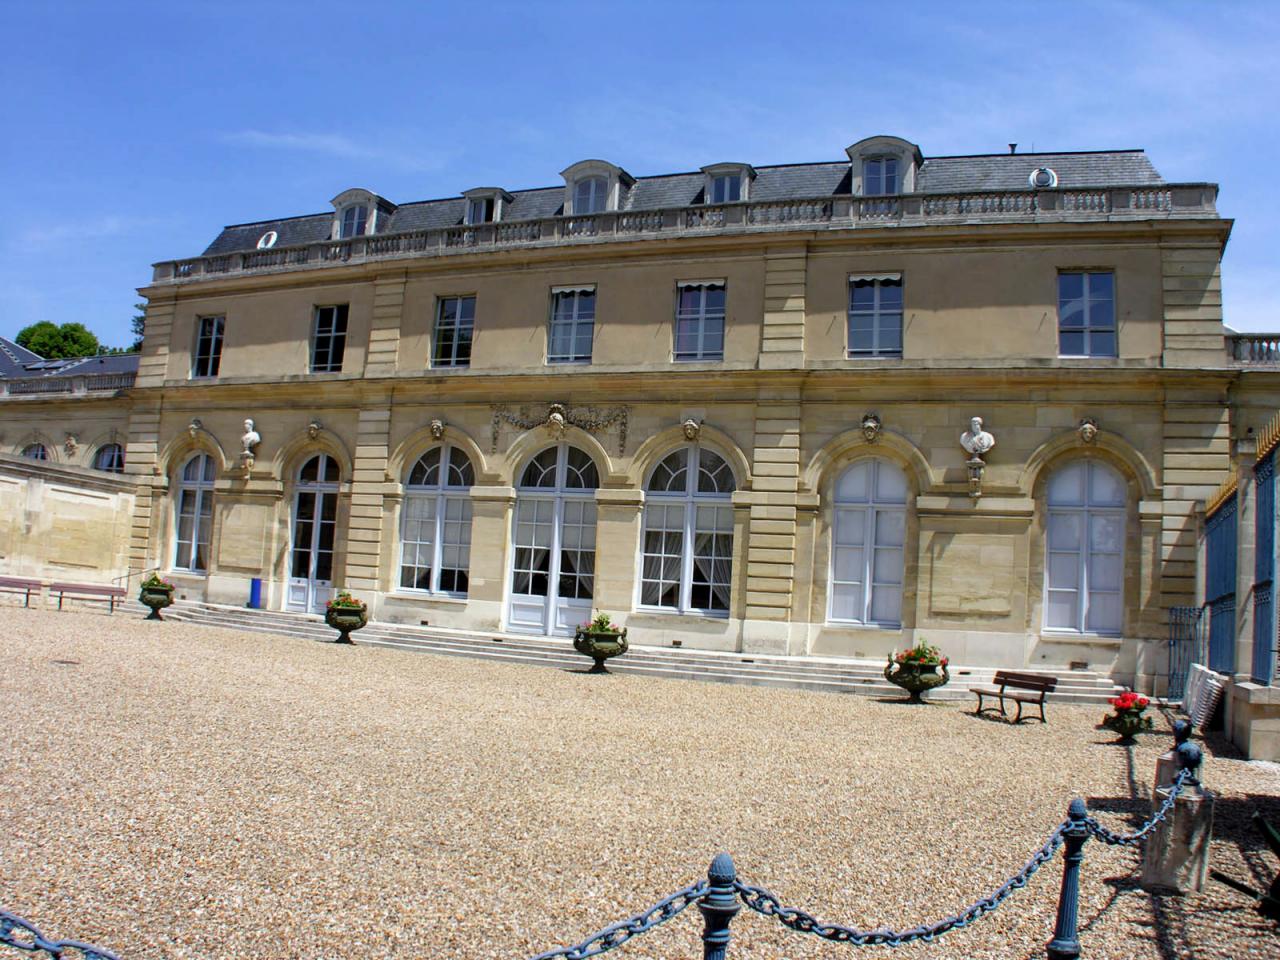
<point>683,615</point>
<point>429,597</point>
<point>1081,639</point>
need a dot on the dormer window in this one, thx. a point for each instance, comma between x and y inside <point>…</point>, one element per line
<point>727,183</point>
<point>884,166</point>
<point>880,177</point>
<point>354,221</point>
<point>480,210</point>
<point>590,195</point>
<point>358,213</point>
<point>594,186</point>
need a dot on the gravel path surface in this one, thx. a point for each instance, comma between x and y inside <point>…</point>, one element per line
<point>178,791</point>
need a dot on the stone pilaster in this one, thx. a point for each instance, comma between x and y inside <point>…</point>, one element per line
<point>1192,284</point>
<point>153,363</point>
<point>369,484</point>
<point>617,547</point>
<point>1246,453</point>
<point>141,460</point>
<point>490,542</point>
<point>782,332</point>
<point>771,538</point>
<point>384,330</point>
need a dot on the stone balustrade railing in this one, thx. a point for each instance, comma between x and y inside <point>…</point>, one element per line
<point>85,383</point>
<point>1254,349</point>
<point>1166,201</point>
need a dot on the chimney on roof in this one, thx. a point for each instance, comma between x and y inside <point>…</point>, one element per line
<point>1013,148</point>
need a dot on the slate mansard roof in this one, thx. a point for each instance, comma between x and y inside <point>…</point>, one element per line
<point>17,362</point>
<point>1001,171</point>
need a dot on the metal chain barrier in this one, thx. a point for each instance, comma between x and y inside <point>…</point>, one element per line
<point>619,933</point>
<point>764,902</point>
<point>24,935</point>
<point>1134,839</point>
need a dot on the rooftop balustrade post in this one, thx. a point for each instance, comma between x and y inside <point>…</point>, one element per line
<point>1065,944</point>
<point>718,907</point>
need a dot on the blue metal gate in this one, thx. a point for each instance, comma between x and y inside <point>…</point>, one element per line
<point>1220,585</point>
<point>1186,646</point>
<point>1264,612</point>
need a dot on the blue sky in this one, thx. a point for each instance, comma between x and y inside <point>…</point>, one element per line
<point>134,131</point>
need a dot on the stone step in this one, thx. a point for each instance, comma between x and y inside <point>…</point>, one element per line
<point>856,671</point>
<point>805,673</point>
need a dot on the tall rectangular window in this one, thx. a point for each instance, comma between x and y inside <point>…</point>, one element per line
<point>875,316</point>
<point>879,177</point>
<point>590,195</point>
<point>354,222</point>
<point>329,342</point>
<point>573,321</point>
<point>480,210</point>
<point>455,321</point>
<point>208,354</point>
<point>726,188</point>
<point>1087,314</point>
<point>700,321</point>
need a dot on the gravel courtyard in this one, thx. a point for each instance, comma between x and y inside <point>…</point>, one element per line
<point>173,791</point>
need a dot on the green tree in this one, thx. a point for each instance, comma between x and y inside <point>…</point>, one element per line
<point>136,326</point>
<point>55,342</point>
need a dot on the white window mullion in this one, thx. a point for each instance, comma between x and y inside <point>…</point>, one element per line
<point>686,559</point>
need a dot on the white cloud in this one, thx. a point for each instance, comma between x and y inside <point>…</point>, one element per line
<point>339,146</point>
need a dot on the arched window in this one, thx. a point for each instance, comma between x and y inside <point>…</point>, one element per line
<point>315,531</point>
<point>687,551</point>
<point>194,507</point>
<point>35,451</point>
<point>590,195</point>
<point>553,563</point>
<point>110,457</point>
<point>868,530</point>
<point>354,221</point>
<point>1084,549</point>
<point>435,530</point>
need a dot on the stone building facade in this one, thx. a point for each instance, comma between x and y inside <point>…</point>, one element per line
<point>726,406</point>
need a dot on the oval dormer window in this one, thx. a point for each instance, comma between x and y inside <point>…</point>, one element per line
<point>267,240</point>
<point>1043,178</point>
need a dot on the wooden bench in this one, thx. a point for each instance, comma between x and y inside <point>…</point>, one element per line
<point>20,585</point>
<point>1020,688</point>
<point>89,591</point>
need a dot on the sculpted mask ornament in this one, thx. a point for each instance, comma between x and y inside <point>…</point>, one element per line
<point>976,441</point>
<point>871,428</point>
<point>313,429</point>
<point>1088,430</point>
<point>692,428</point>
<point>194,427</point>
<point>555,419</point>
<point>71,445</point>
<point>437,428</point>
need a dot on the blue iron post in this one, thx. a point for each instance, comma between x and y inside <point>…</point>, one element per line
<point>719,907</point>
<point>1065,944</point>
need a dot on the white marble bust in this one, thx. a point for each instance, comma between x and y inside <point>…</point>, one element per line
<point>250,439</point>
<point>975,440</point>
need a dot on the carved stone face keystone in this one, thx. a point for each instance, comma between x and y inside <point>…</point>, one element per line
<point>692,428</point>
<point>313,429</point>
<point>556,421</point>
<point>437,428</point>
<point>1088,430</point>
<point>194,427</point>
<point>871,428</point>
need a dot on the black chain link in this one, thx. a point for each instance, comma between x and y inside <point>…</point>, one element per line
<point>1133,839</point>
<point>24,935</point>
<point>619,933</point>
<point>764,902</point>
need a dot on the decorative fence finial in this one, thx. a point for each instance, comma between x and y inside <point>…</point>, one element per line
<point>719,906</point>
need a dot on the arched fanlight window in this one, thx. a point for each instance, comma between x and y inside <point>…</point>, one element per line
<point>110,458</point>
<point>321,468</point>
<point>435,529</point>
<point>687,550</point>
<point>1084,549</point>
<point>35,451</point>
<point>194,508</point>
<point>868,530</point>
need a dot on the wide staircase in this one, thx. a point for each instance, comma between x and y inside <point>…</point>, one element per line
<point>828,674</point>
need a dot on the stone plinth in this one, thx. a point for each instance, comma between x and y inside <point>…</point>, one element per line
<point>1176,856</point>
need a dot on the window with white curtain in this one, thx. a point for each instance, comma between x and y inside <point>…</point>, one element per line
<point>194,508</point>
<point>435,528</point>
<point>868,532</point>
<point>1084,549</point>
<point>687,546</point>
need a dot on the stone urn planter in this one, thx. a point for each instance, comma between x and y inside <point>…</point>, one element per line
<point>600,639</point>
<point>156,594</point>
<point>345,613</point>
<point>916,670</point>
<point>1128,721</point>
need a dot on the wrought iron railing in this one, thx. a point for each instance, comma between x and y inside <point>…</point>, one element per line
<point>1186,646</point>
<point>85,383</point>
<point>1141,202</point>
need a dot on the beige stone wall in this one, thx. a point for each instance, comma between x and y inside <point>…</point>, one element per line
<point>63,522</point>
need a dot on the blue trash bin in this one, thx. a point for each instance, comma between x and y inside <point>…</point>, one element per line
<point>255,593</point>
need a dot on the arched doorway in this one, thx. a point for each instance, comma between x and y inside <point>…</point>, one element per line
<point>314,529</point>
<point>553,560</point>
